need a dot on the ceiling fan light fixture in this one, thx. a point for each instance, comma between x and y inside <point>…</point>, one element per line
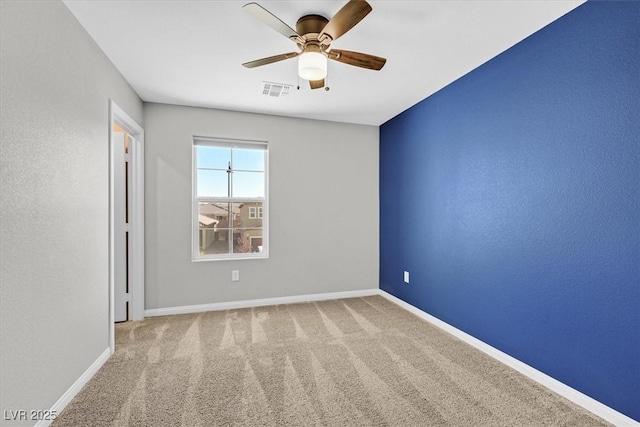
<point>312,65</point>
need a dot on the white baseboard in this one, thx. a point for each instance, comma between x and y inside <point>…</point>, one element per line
<point>588,403</point>
<point>77,386</point>
<point>258,302</point>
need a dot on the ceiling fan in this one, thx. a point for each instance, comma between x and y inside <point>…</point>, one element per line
<point>313,35</point>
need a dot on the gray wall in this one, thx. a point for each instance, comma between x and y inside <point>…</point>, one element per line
<point>56,85</point>
<point>323,182</point>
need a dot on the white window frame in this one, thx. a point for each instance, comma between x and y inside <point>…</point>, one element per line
<point>253,212</point>
<point>195,241</point>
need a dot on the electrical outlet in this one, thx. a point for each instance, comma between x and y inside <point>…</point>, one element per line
<point>406,277</point>
<point>235,275</point>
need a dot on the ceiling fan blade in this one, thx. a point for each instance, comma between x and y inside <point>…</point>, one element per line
<point>270,60</point>
<point>316,84</point>
<point>271,20</point>
<point>346,18</point>
<point>363,60</point>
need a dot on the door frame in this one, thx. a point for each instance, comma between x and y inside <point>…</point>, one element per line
<point>136,218</point>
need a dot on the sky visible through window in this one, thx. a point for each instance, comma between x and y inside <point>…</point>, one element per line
<point>248,171</point>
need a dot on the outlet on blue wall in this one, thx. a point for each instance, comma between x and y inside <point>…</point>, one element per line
<point>513,197</point>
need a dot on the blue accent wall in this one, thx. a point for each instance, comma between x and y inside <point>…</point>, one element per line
<point>512,196</point>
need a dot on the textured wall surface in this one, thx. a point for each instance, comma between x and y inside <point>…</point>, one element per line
<point>55,84</point>
<point>513,198</point>
<point>323,185</point>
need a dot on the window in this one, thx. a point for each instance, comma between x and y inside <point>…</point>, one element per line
<point>255,212</point>
<point>229,199</point>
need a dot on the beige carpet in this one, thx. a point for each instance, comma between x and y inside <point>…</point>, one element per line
<point>350,362</point>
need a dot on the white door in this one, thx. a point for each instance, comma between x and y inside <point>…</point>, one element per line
<point>126,205</point>
<point>121,237</point>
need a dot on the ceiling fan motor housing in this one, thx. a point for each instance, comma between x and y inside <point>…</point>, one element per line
<point>310,26</point>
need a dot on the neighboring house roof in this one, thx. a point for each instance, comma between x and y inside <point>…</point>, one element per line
<point>205,220</point>
<point>208,212</point>
<point>218,209</point>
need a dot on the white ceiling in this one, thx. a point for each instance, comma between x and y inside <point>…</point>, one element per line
<point>190,52</point>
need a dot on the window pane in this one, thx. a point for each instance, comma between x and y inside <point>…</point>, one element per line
<point>247,240</point>
<point>250,160</point>
<point>214,226</point>
<point>250,215</point>
<point>212,183</point>
<point>213,157</point>
<point>213,240</point>
<point>248,184</point>
<point>217,213</point>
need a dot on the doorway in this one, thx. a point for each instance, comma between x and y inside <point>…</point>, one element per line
<point>126,220</point>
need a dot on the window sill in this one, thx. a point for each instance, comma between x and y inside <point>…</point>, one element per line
<point>232,258</point>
